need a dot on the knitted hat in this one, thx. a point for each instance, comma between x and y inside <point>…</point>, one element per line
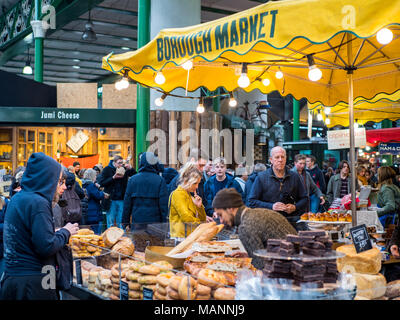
<point>227,198</point>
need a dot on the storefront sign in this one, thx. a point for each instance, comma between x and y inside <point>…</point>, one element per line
<point>40,116</point>
<point>340,139</point>
<point>389,148</point>
<point>361,238</point>
<point>123,290</point>
<point>77,141</point>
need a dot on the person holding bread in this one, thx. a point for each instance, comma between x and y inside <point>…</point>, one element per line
<point>185,205</point>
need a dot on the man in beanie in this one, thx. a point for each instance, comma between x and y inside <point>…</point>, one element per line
<point>255,226</point>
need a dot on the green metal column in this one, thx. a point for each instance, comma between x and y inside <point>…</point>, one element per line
<point>389,161</point>
<point>296,120</point>
<point>143,94</point>
<point>38,46</point>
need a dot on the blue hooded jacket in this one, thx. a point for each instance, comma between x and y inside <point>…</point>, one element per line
<point>94,212</point>
<point>2,214</point>
<point>210,190</point>
<point>248,186</point>
<point>146,197</point>
<point>30,241</point>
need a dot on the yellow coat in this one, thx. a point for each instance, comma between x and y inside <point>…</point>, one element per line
<point>183,211</point>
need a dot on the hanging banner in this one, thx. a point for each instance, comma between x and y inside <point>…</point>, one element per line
<point>340,139</point>
<point>389,148</point>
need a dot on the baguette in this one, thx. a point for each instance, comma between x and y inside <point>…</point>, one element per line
<point>208,234</point>
<point>187,243</point>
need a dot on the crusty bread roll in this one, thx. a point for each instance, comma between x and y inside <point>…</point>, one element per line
<point>133,276</point>
<point>115,285</point>
<point>114,279</point>
<point>172,294</point>
<point>147,279</point>
<point>370,286</point>
<point>393,289</point>
<point>201,297</point>
<point>135,294</point>
<point>136,265</point>
<point>187,288</point>
<point>163,279</point>
<point>150,269</point>
<point>161,290</point>
<point>111,236</point>
<point>174,282</point>
<point>134,285</point>
<point>225,294</point>
<point>203,290</point>
<point>159,296</point>
<point>211,278</point>
<point>163,265</point>
<point>85,231</point>
<point>123,246</point>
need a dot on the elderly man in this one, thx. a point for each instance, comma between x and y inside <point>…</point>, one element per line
<point>279,189</point>
<point>255,226</point>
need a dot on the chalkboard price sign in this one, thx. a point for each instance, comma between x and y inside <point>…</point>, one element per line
<point>123,290</point>
<point>147,294</point>
<point>78,270</point>
<point>361,238</point>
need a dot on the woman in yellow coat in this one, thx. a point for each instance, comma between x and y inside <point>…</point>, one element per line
<point>186,210</point>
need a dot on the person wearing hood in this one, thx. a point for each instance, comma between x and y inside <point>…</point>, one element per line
<point>315,173</point>
<point>94,215</point>
<point>258,167</point>
<point>169,174</point>
<point>219,181</point>
<point>114,180</point>
<point>146,196</point>
<point>388,196</point>
<point>30,240</point>
<point>3,206</point>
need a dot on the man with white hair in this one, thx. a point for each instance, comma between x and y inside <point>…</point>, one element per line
<point>279,189</point>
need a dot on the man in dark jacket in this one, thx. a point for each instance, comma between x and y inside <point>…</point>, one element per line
<point>279,189</point>
<point>30,240</point>
<point>201,160</point>
<point>114,183</point>
<point>258,167</point>
<point>220,180</point>
<point>146,197</point>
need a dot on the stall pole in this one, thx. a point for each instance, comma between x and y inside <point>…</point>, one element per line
<point>353,174</point>
<point>38,46</point>
<point>387,124</point>
<point>143,94</point>
<point>296,120</point>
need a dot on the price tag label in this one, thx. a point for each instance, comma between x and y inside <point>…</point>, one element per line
<point>361,239</point>
<point>147,294</point>
<point>123,290</point>
<point>78,270</point>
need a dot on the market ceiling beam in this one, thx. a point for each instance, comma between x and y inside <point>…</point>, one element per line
<point>114,11</point>
<point>66,11</point>
<point>101,35</point>
<point>218,10</point>
<point>58,57</point>
<point>90,73</point>
<point>109,24</point>
<point>75,65</point>
<point>84,44</point>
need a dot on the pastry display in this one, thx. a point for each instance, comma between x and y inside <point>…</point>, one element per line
<point>326,216</point>
<point>85,243</point>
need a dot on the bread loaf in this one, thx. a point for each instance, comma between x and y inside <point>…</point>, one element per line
<point>370,286</point>
<point>111,236</point>
<point>365,262</point>
<point>393,289</point>
<point>123,246</point>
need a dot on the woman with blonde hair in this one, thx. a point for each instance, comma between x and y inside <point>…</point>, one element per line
<point>185,208</point>
<point>388,196</point>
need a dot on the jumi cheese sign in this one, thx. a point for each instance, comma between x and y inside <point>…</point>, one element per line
<point>220,37</point>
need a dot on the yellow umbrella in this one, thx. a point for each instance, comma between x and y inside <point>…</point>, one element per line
<point>379,108</point>
<point>339,44</point>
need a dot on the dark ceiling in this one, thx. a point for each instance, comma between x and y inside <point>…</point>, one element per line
<point>68,58</point>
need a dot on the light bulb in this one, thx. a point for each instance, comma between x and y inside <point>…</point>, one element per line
<point>355,125</point>
<point>232,102</point>
<point>384,36</point>
<point>327,120</point>
<point>200,108</point>
<point>266,82</point>
<point>368,148</point>
<point>124,83</point>
<point>314,74</point>
<point>377,153</point>
<point>187,65</point>
<point>279,75</point>
<point>159,79</point>
<point>319,117</point>
<point>27,70</point>
<point>159,102</point>
<point>384,160</point>
<point>243,81</point>
<point>327,110</point>
<point>118,85</point>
